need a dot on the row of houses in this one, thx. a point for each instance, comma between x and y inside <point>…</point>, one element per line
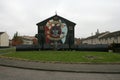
<point>98,38</point>
<point>24,40</point>
<point>20,40</point>
<point>103,38</point>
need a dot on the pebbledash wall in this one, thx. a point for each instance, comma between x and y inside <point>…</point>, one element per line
<point>55,31</point>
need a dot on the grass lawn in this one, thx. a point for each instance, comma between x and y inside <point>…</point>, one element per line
<point>6,50</point>
<point>65,56</point>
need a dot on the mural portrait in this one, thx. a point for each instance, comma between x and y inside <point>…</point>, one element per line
<point>55,30</point>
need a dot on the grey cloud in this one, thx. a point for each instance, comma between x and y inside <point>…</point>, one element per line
<point>89,15</point>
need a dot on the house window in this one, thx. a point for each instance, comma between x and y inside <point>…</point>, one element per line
<point>41,28</point>
<point>70,28</point>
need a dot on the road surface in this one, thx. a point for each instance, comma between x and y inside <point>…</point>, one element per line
<point>9,73</point>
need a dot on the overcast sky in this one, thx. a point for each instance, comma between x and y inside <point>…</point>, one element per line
<point>89,15</point>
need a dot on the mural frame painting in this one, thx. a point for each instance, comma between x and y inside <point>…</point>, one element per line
<point>55,33</point>
<point>56,30</point>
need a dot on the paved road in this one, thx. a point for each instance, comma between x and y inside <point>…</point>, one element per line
<point>86,68</point>
<point>9,73</point>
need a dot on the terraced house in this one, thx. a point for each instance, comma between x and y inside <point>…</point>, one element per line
<point>103,38</point>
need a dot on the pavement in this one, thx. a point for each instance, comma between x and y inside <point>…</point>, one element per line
<point>61,67</point>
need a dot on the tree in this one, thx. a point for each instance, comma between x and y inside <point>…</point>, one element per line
<point>15,35</point>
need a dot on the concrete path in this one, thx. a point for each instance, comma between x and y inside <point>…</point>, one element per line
<point>10,73</point>
<point>61,67</point>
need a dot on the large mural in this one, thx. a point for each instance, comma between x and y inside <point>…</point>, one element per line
<point>55,31</point>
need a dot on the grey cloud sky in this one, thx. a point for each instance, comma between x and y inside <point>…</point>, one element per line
<point>89,15</point>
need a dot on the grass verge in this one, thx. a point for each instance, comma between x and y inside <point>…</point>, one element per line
<point>66,56</point>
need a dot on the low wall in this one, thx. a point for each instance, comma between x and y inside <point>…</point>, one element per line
<point>27,48</point>
<point>90,47</point>
<point>82,47</point>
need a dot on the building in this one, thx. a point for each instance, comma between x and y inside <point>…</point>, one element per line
<point>17,41</point>
<point>29,40</point>
<point>111,38</point>
<point>103,38</point>
<point>55,31</point>
<point>77,41</point>
<point>24,40</point>
<point>4,39</point>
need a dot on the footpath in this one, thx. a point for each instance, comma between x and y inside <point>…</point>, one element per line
<point>62,67</point>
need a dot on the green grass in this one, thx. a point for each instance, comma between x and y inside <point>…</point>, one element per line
<point>66,56</point>
<point>7,50</point>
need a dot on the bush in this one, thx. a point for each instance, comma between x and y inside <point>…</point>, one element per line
<point>115,47</point>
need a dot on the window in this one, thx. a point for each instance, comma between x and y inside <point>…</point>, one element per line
<point>70,28</point>
<point>41,28</point>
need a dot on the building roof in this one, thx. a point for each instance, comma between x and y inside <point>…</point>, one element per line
<point>113,34</point>
<point>104,35</point>
<point>56,16</point>
<point>28,37</point>
<point>97,36</point>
